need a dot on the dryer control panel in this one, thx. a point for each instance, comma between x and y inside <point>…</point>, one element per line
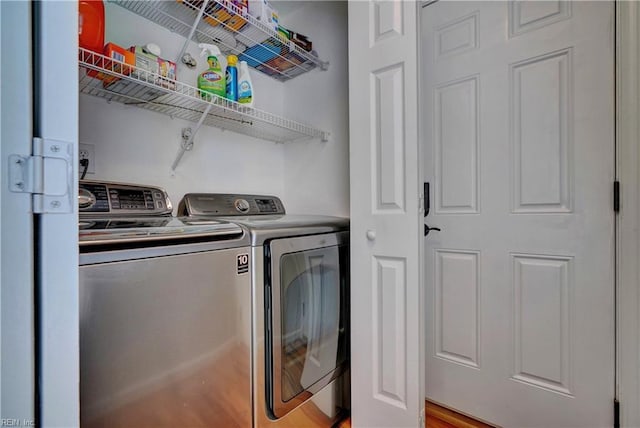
<point>226,204</point>
<point>104,198</point>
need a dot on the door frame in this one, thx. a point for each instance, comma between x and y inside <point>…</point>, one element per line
<point>56,254</point>
<point>628,219</point>
<point>17,294</point>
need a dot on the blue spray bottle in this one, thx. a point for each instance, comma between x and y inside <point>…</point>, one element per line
<point>232,78</point>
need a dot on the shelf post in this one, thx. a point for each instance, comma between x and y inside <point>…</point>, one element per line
<point>192,32</point>
<point>184,145</point>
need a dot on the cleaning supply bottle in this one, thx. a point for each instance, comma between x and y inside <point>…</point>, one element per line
<point>245,87</point>
<point>232,78</point>
<point>212,80</point>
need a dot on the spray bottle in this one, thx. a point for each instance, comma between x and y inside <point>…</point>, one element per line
<point>232,78</point>
<point>212,80</point>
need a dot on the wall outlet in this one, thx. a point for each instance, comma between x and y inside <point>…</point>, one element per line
<point>86,151</point>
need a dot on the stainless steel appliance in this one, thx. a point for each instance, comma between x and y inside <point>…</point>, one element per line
<point>300,303</point>
<point>165,321</point>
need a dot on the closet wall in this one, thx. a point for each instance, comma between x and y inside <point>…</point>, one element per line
<point>135,145</point>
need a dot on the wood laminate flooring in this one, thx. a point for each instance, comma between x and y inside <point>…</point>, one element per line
<point>196,400</point>
<point>439,417</point>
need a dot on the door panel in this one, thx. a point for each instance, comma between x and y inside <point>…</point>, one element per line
<point>387,331</point>
<point>456,146</point>
<point>457,306</point>
<point>518,126</point>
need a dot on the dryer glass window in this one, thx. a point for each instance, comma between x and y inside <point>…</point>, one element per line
<point>310,318</point>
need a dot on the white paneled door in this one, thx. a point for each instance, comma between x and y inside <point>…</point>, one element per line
<point>518,121</point>
<point>386,325</point>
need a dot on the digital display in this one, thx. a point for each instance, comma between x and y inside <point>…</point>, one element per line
<point>266,205</point>
<point>126,199</point>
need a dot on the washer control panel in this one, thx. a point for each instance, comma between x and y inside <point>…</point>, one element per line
<point>224,204</point>
<point>122,199</point>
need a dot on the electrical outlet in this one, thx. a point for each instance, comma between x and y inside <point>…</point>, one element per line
<point>86,151</point>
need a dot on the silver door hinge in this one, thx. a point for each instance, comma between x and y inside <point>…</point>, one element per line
<point>47,175</point>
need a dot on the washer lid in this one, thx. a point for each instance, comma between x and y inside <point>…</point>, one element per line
<point>263,228</point>
<point>136,230</point>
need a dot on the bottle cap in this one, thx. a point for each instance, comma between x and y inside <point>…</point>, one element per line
<point>232,60</point>
<point>152,48</point>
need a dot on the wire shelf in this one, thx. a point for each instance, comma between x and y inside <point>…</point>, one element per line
<point>247,37</point>
<point>112,80</point>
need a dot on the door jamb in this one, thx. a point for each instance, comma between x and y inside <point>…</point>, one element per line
<point>628,219</point>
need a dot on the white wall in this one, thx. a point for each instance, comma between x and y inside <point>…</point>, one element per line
<point>317,174</point>
<point>138,146</point>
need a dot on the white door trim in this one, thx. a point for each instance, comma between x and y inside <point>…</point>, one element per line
<point>57,234</point>
<point>17,347</point>
<point>628,220</point>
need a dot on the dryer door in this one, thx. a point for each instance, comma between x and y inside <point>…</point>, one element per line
<point>308,291</point>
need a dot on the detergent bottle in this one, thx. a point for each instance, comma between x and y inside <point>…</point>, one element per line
<point>232,78</point>
<point>245,87</point>
<point>212,80</point>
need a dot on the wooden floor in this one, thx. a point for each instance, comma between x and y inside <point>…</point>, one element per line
<point>440,417</point>
<point>195,400</point>
<point>215,395</point>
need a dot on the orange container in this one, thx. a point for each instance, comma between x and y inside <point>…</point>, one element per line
<point>120,54</point>
<point>91,25</point>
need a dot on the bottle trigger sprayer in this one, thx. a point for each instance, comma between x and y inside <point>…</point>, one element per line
<point>212,80</point>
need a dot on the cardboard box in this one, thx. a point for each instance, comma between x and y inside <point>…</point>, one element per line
<point>144,62</point>
<point>167,72</point>
<point>229,14</point>
<point>121,55</point>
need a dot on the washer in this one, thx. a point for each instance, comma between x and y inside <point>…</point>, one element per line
<point>300,301</point>
<point>165,319</point>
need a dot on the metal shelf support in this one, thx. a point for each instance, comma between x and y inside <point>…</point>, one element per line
<point>187,143</point>
<point>192,32</point>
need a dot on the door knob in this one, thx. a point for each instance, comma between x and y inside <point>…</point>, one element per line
<point>371,235</point>
<point>428,229</point>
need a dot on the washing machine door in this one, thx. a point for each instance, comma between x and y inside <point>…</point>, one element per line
<point>307,301</point>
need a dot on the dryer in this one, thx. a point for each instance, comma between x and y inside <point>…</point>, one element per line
<point>300,307</point>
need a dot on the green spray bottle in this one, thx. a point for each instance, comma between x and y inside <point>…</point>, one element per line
<point>212,80</point>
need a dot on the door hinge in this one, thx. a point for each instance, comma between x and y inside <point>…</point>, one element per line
<point>47,175</point>
<point>616,196</point>
<point>616,413</point>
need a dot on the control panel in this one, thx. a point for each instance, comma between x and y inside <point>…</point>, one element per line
<point>224,204</point>
<point>121,199</point>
